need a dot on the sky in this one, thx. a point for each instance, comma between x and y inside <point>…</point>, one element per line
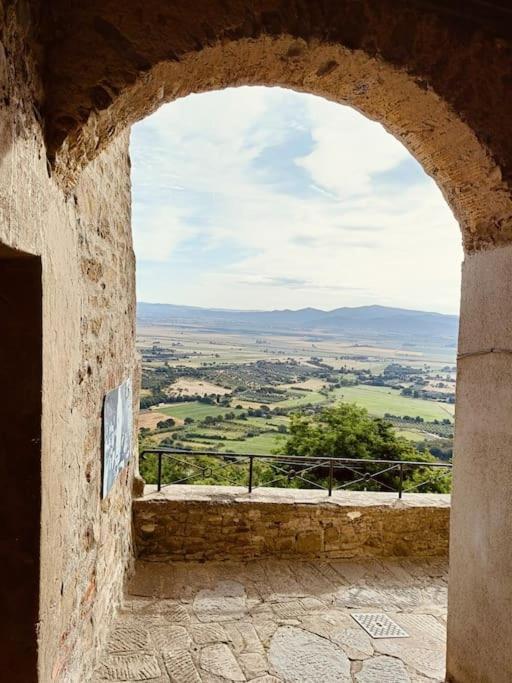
<point>263,198</point>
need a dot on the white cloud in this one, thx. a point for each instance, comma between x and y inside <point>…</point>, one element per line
<point>348,150</point>
<point>163,228</point>
<point>349,237</point>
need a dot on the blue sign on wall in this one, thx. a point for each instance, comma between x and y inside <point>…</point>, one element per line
<point>117,433</point>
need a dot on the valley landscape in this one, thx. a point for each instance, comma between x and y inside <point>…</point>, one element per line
<point>231,381</point>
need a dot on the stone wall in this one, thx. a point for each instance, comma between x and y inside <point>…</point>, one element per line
<point>83,239</point>
<point>225,523</point>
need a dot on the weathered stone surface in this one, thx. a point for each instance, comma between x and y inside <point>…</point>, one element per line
<point>435,77</point>
<point>180,667</point>
<point>203,634</point>
<point>170,638</point>
<point>173,611</point>
<point>219,660</point>
<point>126,638</point>
<point>83,240</point>
<point>383,670</point>
<point>297,656</point>
<point>435,73</point>
<point>243,637</point>
<point>129,667</point>
<point>383,526</point>
<point>253,664</point>
<point>421,650</point>
<point>275,645</point>
<point>225,603</point>
<point>355,642</point>
<point>391,599</point>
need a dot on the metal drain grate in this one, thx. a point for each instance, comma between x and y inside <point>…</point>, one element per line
<point>380,626</point>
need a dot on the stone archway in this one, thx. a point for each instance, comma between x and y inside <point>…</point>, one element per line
<point>437,78</point>
<point>445,146</point>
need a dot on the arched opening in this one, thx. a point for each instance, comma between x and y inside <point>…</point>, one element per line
<point>434,74</point>
<point>259,199</point>
<point>172,182</point>
<point>444,144</point>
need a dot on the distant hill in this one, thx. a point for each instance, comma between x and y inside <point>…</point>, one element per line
<point>359,324</point>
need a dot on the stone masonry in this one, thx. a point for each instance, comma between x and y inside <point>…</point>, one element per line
<point>73,78</point>
<point>227,523</point>
<point>279,621</point>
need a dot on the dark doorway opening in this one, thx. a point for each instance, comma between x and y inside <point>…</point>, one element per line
<point>20,460</point>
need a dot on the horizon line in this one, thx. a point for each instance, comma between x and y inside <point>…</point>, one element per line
<point>293,310</point>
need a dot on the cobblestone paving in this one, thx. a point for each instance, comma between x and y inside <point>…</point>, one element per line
<point>278,621</point>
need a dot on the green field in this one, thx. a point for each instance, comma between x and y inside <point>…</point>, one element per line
<point>194,409</point>
<point>263,443</point>
<point>380,400</point>
<point>411,434</point>
<point>302,399</point>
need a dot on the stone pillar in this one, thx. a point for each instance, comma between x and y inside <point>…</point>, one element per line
<point>480,583</point>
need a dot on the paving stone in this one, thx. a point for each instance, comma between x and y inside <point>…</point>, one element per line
<point>298,656</point>
<point>312,581</point>
<point>281,580</point>
<point>170,638</point>
<point>265,627</point>
<point>209,635</point>
<point>423,625</point>
<point>136,605</point>
<point>181,668</point>
<point>384,598</point>
<point>398,573</point>
<point>128,667</point>
<point>436,595</point>
<point>382,670</point>
<point>243,637</point>
<point>426,661</point>
<point>289,610</point>
<point>312,604</point>
<point>204,634</point>
<point>327,624</point>
<point>173,611</point>
<point>128,639</point>
<point>220,661</point>
<point>355,642</point>
<point>253,664</point>
<point>224,603</point>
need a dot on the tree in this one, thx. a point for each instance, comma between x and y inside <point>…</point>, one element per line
<point>348,431</point>
<point>166,424</point>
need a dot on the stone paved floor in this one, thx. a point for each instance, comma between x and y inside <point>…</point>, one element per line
<point>278,621</point>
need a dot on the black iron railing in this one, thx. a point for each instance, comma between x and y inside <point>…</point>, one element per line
<point>335,473</point>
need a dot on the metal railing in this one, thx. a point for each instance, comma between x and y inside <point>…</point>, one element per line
<point>333,471</point>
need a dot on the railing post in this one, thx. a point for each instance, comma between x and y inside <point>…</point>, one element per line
<point>251,462</point>
<point>331,473</point>
<point>159,475</point>
<point>401,481</point>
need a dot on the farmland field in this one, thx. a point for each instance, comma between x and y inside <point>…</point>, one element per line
<point>381,400</point>
<point>234,391</point>
<point>264,443</point>
<point>192,409</point>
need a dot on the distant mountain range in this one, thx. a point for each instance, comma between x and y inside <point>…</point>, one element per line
<point>358,324</point>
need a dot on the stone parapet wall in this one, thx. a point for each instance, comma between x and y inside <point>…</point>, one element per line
<point>227,523</point>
